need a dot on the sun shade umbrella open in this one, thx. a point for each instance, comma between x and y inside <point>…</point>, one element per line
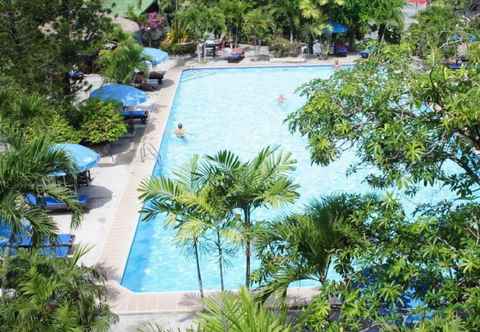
<point>83,158</point>
<point>124,94</point>
<point>155,55</point>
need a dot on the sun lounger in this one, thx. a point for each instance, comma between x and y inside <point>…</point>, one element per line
<point>156,75</point>
<point>59,251</point>
<point>237,55</point>
<point>365,54</point>
<point>60,240</point>
<point>148,86</point>
<point>340,49</point>
<point>454,66</point>
<point>136,113</point>
<point>54,204</point>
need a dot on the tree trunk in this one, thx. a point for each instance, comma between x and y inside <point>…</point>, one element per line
<point>248,250</point>
<point>199,273</point>
<point>8,252</point>
<point>67,88</point>
<point>290,20</point>
<point>381,32</point>
<point>220,259</point>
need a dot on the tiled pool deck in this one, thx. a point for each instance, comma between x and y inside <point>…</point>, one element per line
<point>122,230</point>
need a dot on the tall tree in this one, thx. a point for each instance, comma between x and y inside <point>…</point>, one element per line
<point>287,13</point>
<point>261,182</point>
<point>41,42</point>
<point>192,210</point>
<point>411,120</point>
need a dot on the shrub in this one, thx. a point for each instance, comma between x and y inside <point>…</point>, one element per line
<point>53,294</point>
<point>56,128</point>
<point>179,48</point>
<point>282,47</point>
<point>119,65</point>
<point>101,122</point>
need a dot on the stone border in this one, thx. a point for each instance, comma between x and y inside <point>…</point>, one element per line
<point>123,230</point>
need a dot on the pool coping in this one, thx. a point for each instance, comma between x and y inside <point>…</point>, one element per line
<point>119,240</point>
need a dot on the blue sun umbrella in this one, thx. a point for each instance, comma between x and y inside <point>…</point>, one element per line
<point>335,27</point>
<point>83,158</point>
<point>124,94</point>
<point>156,56</point>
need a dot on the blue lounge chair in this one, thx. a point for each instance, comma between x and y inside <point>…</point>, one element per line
<point>455,66</point>
<point>365,53</point>
<point>237,55</point>
<point>25,241</point>
<point>60,251</point>
<point>54,204</point>
<point>136,113</point>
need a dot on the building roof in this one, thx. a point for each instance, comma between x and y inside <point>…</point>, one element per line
<point>120,7</point>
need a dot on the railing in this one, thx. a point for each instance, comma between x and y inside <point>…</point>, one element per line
<point>149,150</point>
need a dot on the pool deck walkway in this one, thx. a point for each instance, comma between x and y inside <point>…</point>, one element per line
<point>110,226</point>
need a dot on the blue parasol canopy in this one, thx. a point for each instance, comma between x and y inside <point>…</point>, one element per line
<point>83,157</point>
<point>335,27</point>
<point>125,94</point>
<point>156,56</point>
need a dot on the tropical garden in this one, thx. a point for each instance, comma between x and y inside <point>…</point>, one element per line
<point>404,111</point>
<point>283,24</point>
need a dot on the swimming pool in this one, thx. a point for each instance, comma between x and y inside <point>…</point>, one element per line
<point>235,109</point>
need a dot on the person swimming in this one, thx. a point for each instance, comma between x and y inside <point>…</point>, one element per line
<point>281,99</point>
<point>180,131</point>
<point>337,64</point>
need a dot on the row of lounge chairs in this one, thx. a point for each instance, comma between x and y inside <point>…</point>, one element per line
<point>53,204</point>
<point>61,246</point>
<point>151,83</point>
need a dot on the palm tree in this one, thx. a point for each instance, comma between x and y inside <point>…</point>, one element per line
<point>260,182</point>
<point>191,208</point>
<point>302,246</point>
<point>239,313</point>
<point>54,294</point>
<point>287,11</point>
<point>119,65</point>
<point>26,167</point>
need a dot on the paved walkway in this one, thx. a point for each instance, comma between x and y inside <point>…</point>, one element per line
<point>110,225</point>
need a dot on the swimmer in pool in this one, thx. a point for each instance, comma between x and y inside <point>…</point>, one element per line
<point>180,131</point>
<point>281,99</point>
<point>337,64</point>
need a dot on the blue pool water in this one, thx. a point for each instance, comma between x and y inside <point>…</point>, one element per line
<point>233,109</point>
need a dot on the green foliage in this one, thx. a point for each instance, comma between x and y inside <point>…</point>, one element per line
<point>281,47</point>
<point>56,128</point>
<point>305,246</point>
<point>197,216</point>
<point>258,24</point>
<point>433,28</point>
<point>239,313</point>
<point>199,19</point>
<point>40,42</point>
<point>180,48</point>
<point>35,115</point>
<point>407,121</point>
<point>119,65</point>
<point>54,294</point>
<point>26,167</point>
<point>101,122</point>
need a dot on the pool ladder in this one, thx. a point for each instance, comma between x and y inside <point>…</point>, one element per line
<point>149,150</point>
